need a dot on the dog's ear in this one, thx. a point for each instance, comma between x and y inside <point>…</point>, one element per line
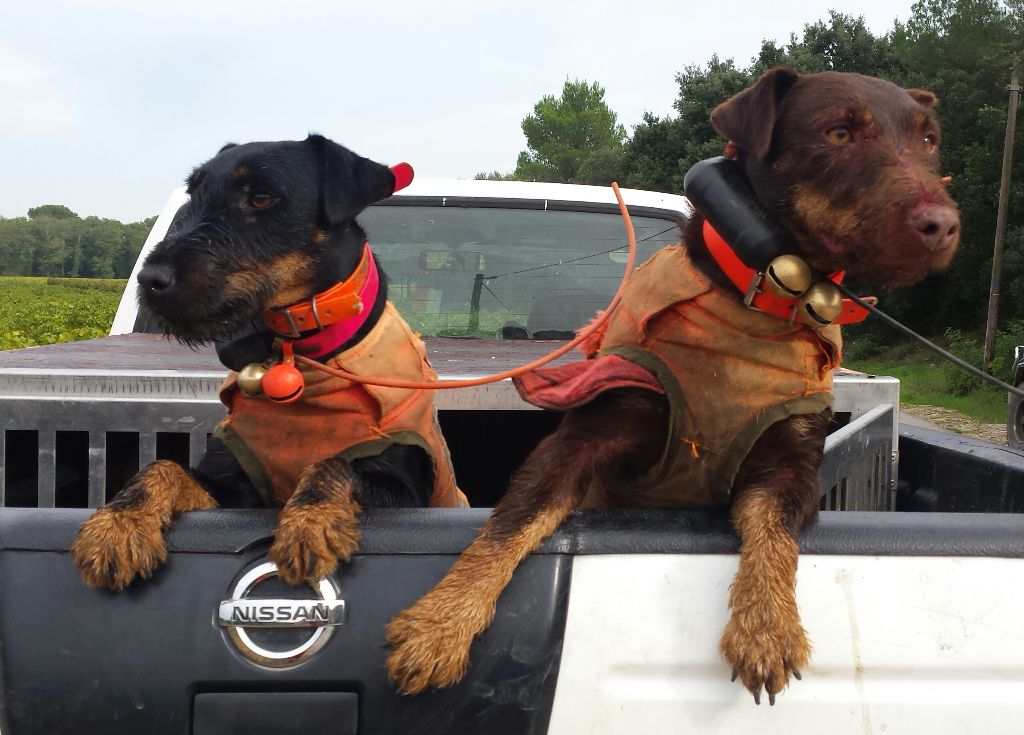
<point>923,97</point>
<point>225,147</point>
<point>748,118</point>
<point>349,182</point>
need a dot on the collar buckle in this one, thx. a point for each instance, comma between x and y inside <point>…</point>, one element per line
<point>316,315</point>
<point>753,290</point>
<point>293,328</point>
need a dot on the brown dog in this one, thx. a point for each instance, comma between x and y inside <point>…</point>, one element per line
<point>849,166</point>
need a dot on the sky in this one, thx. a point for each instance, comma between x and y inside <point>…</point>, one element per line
<point>106,105</point>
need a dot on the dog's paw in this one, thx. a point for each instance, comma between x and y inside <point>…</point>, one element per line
<point>310,540</point>
<point>431,646</point>
<point>764,651</point>
<point>114,546</point>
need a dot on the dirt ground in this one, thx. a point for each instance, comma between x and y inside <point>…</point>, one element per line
<point>953,421</point>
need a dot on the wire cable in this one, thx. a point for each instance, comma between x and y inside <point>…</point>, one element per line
<point>582,257</point>
<point>930,345</point>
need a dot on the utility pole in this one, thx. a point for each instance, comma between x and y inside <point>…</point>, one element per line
<point>1004,187</point>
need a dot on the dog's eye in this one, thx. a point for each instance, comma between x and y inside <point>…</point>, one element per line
<point>839,136</point>
<point>261,200</point>
<point>931,142</point>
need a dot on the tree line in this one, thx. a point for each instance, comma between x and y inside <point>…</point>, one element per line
<point>962,50</point>
<point>54,241</point>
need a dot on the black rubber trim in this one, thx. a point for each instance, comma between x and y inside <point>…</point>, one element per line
<point>550,205</point>
<point>448,531</point>
<point>79,661</point>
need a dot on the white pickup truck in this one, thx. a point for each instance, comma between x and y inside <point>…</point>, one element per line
<point>911,585</point>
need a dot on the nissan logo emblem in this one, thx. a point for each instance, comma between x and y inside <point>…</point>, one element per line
<point>246,616</point>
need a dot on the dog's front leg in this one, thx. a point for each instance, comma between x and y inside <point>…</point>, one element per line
<point>318,524</point>
<point>432,638</point>
<point>764,640</point>
<point>776,497</point>
<point>125,538</point>
<point>598,443</point>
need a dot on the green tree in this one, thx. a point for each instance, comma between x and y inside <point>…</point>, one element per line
<point>50,244</point>
<point>652,156</point>
<point>128,249</point>
<point>601,167</point>
<point>575,138</point>
<point>15,247</point>
<point>100,239</point>
<point>662,150</point>
<point>55,211</point>
<point>493,176</point>
<point>54,241</point>
<point>843,43</point>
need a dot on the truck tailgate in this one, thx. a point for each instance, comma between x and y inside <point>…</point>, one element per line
<point>76,660</point>
<point>612,627</point>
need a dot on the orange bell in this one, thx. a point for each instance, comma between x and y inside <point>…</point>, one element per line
<point>283,383</point>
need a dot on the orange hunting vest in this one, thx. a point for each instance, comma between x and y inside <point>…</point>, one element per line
<point>728,372</point>
<point>275,442</point>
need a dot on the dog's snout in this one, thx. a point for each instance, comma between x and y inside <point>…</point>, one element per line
<point>156,278</point>
<point>937,224</point>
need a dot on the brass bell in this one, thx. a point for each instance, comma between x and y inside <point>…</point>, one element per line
<point>787,276</point>
<point>821,303</point>
<point>250,379</point>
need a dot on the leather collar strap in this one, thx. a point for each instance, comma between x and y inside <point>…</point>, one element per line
<point>335,314</point>
<point>748,281</point>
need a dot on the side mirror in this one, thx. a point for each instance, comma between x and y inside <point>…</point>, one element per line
<point>460,261</point>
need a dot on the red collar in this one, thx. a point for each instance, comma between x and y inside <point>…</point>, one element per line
<point>748,281</point>
<point>336,314</point>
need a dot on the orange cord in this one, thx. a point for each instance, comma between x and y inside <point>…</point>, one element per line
<point>445,384</point>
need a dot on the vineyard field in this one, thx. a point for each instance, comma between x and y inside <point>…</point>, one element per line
<point>34,311</point>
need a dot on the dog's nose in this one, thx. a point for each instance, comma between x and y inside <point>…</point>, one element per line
<point>937,224</point>
<point>156,278</point>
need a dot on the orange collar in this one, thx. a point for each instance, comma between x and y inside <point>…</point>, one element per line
<point>341,301</point>
<point>748,281</point>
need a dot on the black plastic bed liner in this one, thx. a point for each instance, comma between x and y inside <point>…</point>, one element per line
<point>153,660</point>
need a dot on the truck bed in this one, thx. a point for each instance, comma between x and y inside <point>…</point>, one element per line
<point>101,366</point>
<point>80,418</point>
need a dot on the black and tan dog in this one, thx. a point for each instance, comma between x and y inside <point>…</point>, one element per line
<point>737,414</point>
<point>269,237</point>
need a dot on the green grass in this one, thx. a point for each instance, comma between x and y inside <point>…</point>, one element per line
<point>33,312</point>
<point>924,380</point>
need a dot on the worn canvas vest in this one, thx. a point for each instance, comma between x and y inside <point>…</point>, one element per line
<point>728,373</point>
<point>275,442</point>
